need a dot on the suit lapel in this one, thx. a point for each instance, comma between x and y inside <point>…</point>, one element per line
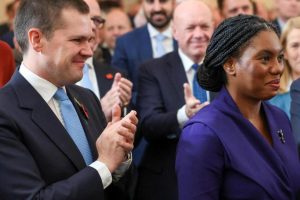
<point>46,120</point>
<point>104,77</point>
<point>176,73</point>
<point>145,49</point>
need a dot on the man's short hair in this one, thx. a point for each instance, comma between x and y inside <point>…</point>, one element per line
<point>44,15</point>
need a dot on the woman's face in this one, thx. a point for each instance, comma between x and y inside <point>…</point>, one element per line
<point>258,69</point>
<point>292,51</point>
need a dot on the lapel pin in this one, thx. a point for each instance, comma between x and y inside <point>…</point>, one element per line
<point>281,136</point>
<point>109,76</point>
<point>82,109</point>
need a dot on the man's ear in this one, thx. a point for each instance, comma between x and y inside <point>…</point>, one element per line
<point>35,39</point>
<point>230,66</point>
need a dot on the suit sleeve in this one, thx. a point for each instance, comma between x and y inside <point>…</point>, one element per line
<point>157,122</point>
<point>295,110</point>
<point>199,163</point>
<point>21,178</point>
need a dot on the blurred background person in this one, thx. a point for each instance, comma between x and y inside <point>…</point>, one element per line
<point>117,23</point>
<point>230,8</point>
<point>7,63</point>
<point>149,41</point>
<point>295,112</point>
<point>10,14</point>
<point>290,40</point>
<point>152,40</point>
<point>286,9</point>
<point>8,34</point>
<point>239,146</point>
<point>107,84</point>
<point>260,9</point>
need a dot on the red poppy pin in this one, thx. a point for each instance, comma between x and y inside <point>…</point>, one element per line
<point>82,109</point>
<point>109,76</point>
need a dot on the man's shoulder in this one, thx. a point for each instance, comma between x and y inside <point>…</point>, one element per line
<point>164,60</point>
<point>135,34</point>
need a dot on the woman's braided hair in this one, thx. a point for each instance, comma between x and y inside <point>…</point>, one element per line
<point>228,40</point>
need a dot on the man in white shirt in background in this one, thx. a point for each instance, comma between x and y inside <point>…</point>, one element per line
<point>120,87</point>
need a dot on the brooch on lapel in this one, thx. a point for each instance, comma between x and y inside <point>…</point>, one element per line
<point>82,109</point>
<point>281,136</point>
<point>109,76</point>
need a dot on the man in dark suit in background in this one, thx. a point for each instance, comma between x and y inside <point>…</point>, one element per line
<point>285,11</point>
<point>49,128</point>
<point>166,100</point>
<point>110,89</point>
<point>145,43</point>
<point>295,111</point>
<point>141,44</point>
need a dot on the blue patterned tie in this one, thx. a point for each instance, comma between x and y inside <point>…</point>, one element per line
<point>86,81</point>
<point>160,49</point>
<point>198,91</point>
<point>73,125</point>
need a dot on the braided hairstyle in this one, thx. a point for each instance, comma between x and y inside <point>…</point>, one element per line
<point>229,39</point>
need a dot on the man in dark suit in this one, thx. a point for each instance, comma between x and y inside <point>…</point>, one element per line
<point>110,89</point>
<point>140,45</point>
<point>40,155</point>
<point>285,11</point>
<point>166,100</point>
<point>295,111</point>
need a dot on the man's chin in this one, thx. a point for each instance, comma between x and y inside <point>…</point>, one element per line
<point>159,24</point>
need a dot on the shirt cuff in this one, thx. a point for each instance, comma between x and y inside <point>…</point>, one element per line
<point>181,116</point>
<point>120,171</point>
<point>103,171</point>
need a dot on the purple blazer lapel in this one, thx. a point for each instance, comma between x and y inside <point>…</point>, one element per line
<point>247,150</point>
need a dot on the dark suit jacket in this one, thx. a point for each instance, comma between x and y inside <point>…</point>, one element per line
<point>106,55</point>
<point>38,159</point>
<point>132,49</point>
<point>105,76</point>
<point>160,95</point>
<point>295,110</point>
<point>276,24</point>
<point>221,155</point>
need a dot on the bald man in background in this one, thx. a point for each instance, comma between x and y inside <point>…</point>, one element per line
<point>166,100</point>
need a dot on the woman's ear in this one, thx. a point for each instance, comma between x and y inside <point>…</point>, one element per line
<point>229,66</point>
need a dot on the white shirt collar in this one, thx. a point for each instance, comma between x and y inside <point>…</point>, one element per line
<point>45,88</point>
<point>186,61</point>
<point>154,32</point>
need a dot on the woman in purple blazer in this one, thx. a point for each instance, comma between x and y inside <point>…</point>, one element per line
<point>239,147</point>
